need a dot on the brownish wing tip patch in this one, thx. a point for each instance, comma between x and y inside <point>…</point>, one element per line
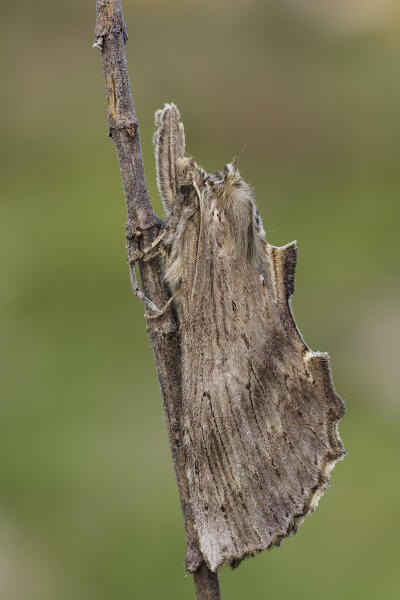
<point>284,260</point>
<point>290,259</point>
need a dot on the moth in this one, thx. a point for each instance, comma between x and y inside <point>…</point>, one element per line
<point>259,409</point>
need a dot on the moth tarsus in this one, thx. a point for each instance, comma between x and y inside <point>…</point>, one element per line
<point>259,409</point>
<point>149,304</point>
<point>162,310</point>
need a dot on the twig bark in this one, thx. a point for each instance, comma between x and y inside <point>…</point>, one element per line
<point>110,39</point>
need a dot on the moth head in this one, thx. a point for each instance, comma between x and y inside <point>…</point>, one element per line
<point>228,186</point>
<point>221,183</point>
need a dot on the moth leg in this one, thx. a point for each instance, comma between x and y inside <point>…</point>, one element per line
<point>147,254</point>
<point>169,231</point>
<point>159,312</point>
<point>134,235</point>
<point>157,240</point>
<point>152,255</point>
<point>141,295</point>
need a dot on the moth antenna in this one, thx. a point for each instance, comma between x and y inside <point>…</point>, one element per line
<point>194,253</point>
<point>235,164</point>
<point>236,159</point>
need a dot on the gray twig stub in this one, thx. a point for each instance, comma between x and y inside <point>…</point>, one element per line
<point>259,409</point>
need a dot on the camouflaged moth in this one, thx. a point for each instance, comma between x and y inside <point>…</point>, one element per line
<point>260,411</point>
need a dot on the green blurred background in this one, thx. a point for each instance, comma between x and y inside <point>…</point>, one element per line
<point>88,502</point>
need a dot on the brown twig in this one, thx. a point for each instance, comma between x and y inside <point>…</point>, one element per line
<point>110,39</point>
